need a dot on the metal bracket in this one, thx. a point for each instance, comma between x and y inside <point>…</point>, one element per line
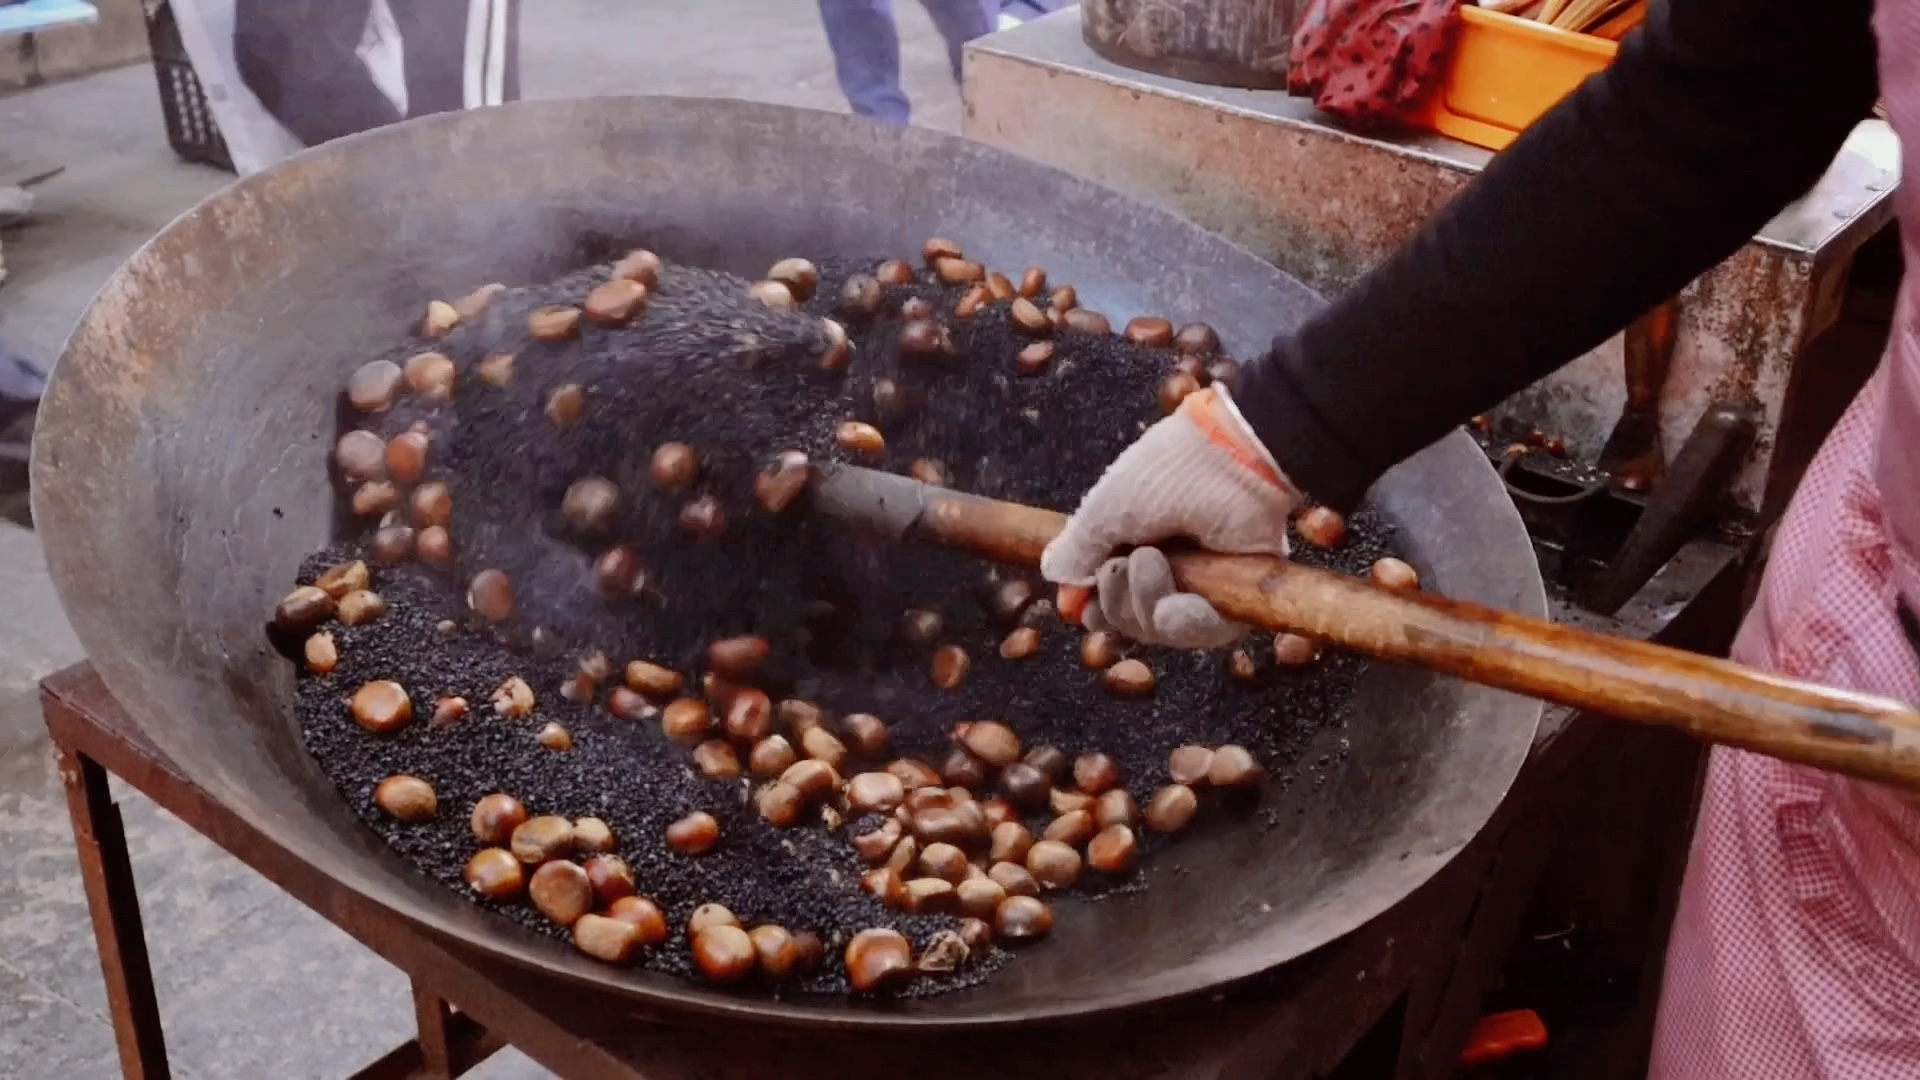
<point>1681,507</point>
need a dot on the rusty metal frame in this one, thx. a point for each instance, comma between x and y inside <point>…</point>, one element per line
<point>106,870</point>
<point>1575,750</point>
<point>448,1044</point>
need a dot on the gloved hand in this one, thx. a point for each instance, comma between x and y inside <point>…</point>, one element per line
<point>1199,474</point>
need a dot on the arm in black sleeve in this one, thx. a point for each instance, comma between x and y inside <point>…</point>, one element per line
<point>1716,114</point>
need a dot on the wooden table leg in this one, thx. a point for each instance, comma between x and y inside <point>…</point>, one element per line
<point>107,870</point>
<point>436,1047</point>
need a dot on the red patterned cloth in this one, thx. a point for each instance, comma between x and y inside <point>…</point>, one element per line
<point>1371,62</point>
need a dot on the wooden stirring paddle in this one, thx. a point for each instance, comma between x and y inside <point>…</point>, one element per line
<point>1861,735</point>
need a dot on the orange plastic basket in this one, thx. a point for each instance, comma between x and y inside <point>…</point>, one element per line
<point>1506,72</point>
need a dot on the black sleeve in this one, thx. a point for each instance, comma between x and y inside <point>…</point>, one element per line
<point>1716,114</point>
<point>298,57</point>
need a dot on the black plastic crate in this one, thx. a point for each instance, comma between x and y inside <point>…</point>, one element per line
<point>190,124</point>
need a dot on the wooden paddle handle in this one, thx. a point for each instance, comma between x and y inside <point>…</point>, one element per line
<point>1858,734</point>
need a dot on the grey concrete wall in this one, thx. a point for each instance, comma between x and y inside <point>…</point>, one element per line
<point>118,38</point>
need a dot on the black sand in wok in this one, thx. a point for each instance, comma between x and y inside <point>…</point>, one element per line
<point>708,366</point>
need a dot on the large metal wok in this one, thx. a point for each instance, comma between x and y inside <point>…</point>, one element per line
<point>179,475</point>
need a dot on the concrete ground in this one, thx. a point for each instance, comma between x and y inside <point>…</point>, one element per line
<point>235,960</point>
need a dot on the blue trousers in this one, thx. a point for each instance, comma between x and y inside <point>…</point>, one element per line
<point>866,47</point>
<point>21,382</point>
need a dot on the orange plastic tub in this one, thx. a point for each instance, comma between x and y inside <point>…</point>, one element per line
<point>1507,72</point>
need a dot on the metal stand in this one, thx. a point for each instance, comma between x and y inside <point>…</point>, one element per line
<point>448,1043</point>
<point>114,903</point>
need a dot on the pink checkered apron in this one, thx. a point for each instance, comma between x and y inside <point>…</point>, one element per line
<point>1796,950</point>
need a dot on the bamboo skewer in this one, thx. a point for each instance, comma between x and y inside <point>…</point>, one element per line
<point>1615,27</point>
<point>1581,15</point>
<point>1608,18</point>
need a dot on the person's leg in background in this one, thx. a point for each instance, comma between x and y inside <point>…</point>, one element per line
<point>21,383</point>
<point>1015,12</point>
<point>960,21</point>
<point>866,57</point>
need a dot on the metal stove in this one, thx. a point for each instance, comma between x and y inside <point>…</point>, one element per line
<point>1765,352</point>
<point>1269,172</point>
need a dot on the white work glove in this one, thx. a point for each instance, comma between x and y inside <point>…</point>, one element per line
<point>1198,474</point>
